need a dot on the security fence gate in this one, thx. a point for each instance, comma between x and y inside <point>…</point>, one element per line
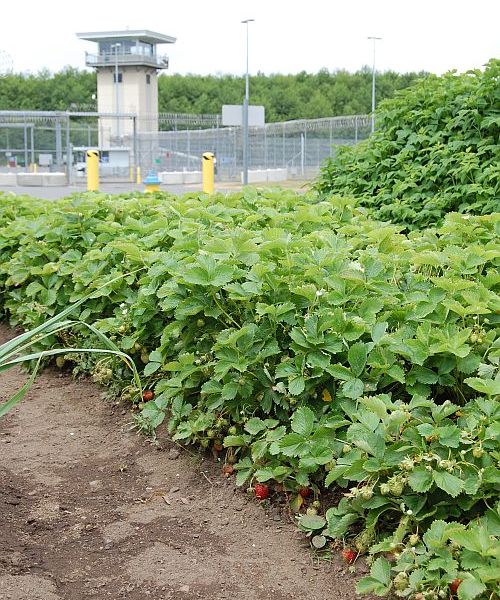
<point>57,141</point>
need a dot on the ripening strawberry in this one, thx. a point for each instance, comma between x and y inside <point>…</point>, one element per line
<point>261,491</point>
<point>228,470</point>
<point>148,395</point>
<point>305,492</point>
<point>349,555</point>
<point>454,585</point>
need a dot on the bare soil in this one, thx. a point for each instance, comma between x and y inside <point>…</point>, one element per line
<point>91,509</point>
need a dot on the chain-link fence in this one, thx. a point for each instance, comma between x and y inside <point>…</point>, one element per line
<point>57,141</point>
<point>299,146</point>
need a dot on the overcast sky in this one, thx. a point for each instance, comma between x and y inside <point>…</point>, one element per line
<point>287,36</point>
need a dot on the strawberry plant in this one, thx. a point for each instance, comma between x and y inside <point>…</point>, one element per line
<point>303,342</point>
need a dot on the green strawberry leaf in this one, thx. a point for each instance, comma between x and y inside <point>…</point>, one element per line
<point>420,480</point>
<point>449,483</point>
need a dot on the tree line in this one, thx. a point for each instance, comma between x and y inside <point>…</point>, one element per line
<point>285,97</point>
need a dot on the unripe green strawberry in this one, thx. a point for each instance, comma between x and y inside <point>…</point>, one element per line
<point>477,452</point>
<point>366,493</point>
<point>414,539</point>
<point>232,430</point>
<point>407,464</point>
<point>400,581</point>
<point>363,541</point>
<point>311,511</point>
<point>385,489</point>
<point>396,487</point>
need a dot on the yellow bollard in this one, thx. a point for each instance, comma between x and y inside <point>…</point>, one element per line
<point>92,170</point>
<point>131,174</point>
<point>35,168</point>
<point>208,172</point>
<point>138,179</point>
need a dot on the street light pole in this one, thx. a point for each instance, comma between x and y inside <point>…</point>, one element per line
<point>373,81</point>
<point>117,89</point>
<point>245,115</point>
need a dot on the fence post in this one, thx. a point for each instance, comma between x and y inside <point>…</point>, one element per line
<point>25,146</point>
<point>58,141</point>
<point>69,159</point>
<point>135,149</point>
<point>284,159</point>
<point>32,143</point>
<point>302,151</point>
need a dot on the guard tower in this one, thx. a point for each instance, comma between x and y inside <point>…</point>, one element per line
<point>127,64</point>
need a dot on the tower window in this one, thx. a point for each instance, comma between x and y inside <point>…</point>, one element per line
<point>120,77</point>
<point>148,78</point>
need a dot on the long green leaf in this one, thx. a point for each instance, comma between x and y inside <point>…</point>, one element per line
<point>8,347</point>
<point>19,395</point>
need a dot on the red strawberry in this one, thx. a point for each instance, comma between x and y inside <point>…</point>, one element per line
<point>349,555</point>
<point>148,395</point>
<point>261,491</point>
<point>304,492</point>
<point>454,585</point>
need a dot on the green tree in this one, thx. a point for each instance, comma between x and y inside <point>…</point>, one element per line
<point>285,97</point>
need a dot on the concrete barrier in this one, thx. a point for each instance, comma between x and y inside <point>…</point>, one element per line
<point>266,175</point>
<point>56,178</point>
<point>277,174</point>
<point>8,179</point>
<point>256,176</point>
<point>179,177</point>
<point>41,179</point>
<point>171,177</point>
<point>30,179</point>
<point>191,177</point>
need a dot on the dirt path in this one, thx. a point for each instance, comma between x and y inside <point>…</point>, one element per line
<point>89,509</point>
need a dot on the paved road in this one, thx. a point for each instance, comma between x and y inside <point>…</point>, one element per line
<point>52,193</point>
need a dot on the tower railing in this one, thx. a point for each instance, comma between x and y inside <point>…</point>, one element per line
<point>106,59</point>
